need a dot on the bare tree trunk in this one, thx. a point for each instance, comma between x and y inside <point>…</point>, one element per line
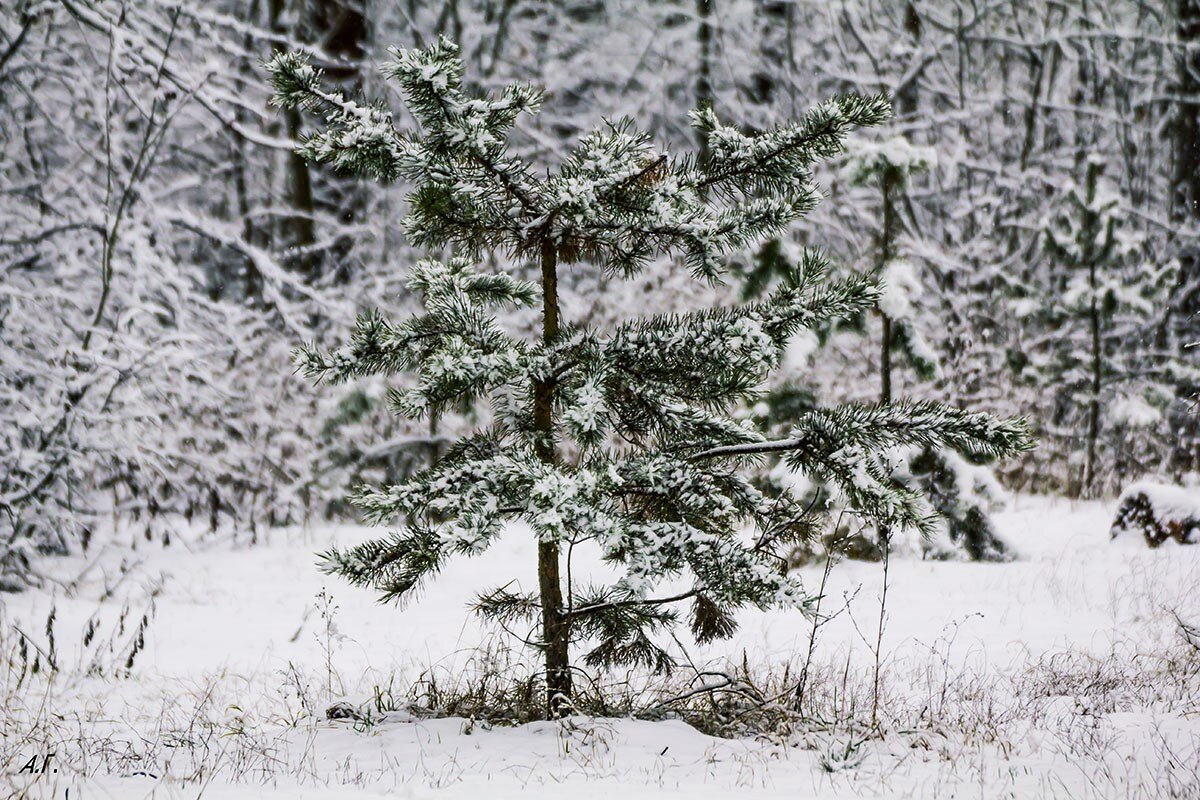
<point>892,181</point>
<point>1185,212</point>
<point>1185,195</point>
<point>298,229</point>
<point>1037,68</point>
<point>1093,258</point>
<point>555,627</point>
<point>251,280</point>
<point>340,29</point>
<point>500,38</point>
<point>906,95</point>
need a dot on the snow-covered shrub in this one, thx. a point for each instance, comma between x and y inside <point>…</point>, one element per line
<point>963,494</point>
<point>1158,512</point>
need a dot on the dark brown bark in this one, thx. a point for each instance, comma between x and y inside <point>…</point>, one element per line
<point>340,28</point>
<point>299,228</point>
<point>555,626</point>
<point>297,231</point>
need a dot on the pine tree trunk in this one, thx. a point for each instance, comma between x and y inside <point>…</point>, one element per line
<point>1093,260</point>
<point>885,361</point>
<point>704,90</point>
<point>905,102</point>
<point>887,251</point>
<point>555,629</point>
<point>1089,473</point>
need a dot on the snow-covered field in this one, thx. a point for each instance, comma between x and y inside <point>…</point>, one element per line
<point>1062,674</point>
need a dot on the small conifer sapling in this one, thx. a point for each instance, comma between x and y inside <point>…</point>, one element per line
<point>625,440</point>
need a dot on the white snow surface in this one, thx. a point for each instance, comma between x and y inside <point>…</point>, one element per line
<point>234,627</point>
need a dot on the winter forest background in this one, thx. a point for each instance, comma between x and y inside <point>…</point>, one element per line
<point>1034,205</point>
<point>1021,238</point>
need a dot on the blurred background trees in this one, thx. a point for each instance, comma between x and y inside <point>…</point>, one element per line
<point>162,248</point>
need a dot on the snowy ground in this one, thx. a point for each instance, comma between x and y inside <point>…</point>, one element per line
<point>1062,674</point>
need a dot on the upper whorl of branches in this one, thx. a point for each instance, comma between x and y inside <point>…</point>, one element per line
<point>615,199</point>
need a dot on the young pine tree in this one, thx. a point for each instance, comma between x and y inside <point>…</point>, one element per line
<point>1100,366</point>
<point>623,440</point>
<point>961,492</point>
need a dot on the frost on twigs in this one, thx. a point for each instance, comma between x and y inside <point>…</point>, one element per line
<point>645,457</point>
